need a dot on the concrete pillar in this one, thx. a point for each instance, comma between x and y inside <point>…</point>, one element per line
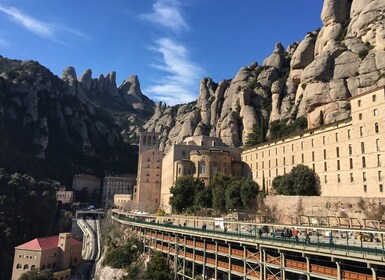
<point>176,255</point>
<point>283,272</point>
<point>264,264</point>
<point>204,258</point>
<point>338,270</point>
<point>374,273</point>
<point>193,266</point>
<point>229,257</point>
<point>307,268</point>
<point>184,257</point>
<point>216,260</point>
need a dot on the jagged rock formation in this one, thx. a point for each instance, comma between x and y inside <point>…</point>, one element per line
<point>49,125</point>
<point>319,73</point>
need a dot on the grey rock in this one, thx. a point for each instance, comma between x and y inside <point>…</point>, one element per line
<point>86,79</point>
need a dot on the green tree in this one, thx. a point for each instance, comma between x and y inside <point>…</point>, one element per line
<point>123,256</point>
<point>233,196</point>
<point>37,275</point>
<point>203,198</point>
<point>300,181</point>
<point>157,268</point>
<point>249,191</point>
<point>183,193</point>
<point>219,184</point>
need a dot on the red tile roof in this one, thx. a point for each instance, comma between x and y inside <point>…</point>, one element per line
<point>44,243</point>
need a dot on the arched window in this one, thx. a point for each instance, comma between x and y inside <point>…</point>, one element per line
<point>144,140</point>
<point>43,267</point>
<point>33,267</point>
<point>26,267</point>
<point>202,167</point>
<point>153,140</point>
<point>49,266</point>
<point>214,168</point>
<point>18,266</point>
<point>54,265</point>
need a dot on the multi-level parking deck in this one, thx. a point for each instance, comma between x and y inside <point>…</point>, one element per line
<point>235,250</point>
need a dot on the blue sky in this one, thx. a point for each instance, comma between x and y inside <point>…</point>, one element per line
<point>170,44</point>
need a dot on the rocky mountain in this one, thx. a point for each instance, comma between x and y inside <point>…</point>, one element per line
<point>52,127</point>
<point>311,79</point>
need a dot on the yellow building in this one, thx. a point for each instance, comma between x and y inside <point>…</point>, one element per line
<point>347,155</point>
<point>121,201</point>
<point>200,156</point>
<point>147,191</point>
<point>60,254</point>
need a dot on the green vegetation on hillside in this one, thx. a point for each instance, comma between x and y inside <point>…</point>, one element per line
<point>37,275</point>
<point>157,268</point>
<point>281,128</point>
<point>225,193</point>
<point>300,181</point>
<point>27,210</point>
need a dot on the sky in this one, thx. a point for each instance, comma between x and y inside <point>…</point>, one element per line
<point>170,44</point>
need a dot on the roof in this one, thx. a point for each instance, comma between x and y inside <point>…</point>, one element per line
<point>44,243</point>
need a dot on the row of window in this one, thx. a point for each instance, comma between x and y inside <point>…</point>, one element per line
<point>374,98</point>
<point>376,130</point>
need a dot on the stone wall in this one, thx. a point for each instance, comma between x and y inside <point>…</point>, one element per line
<point>285,209</point>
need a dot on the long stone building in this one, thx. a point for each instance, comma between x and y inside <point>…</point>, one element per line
<point>347,155</point>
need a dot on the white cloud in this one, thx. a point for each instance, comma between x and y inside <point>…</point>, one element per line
<point>167,14</point>
<point>41,28</point>
<point>182,74</point>
<point>3,43</point>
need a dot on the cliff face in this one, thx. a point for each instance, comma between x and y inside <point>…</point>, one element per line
<point>49,126</point>
<point>319,73</point>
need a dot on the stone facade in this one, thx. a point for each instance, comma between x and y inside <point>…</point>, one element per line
<point>60,253</point>
<point>117,185</point>
<point>66,197</point>
<point>200,156</point>
<point>121,200</point>
<point>288,209</point>
<point>347,155</point>
<point>88,182</point>
<point>147,191</point>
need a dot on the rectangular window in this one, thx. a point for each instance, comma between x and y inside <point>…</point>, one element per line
<point>350,149</point>
<point>359,103</point>
<point>365,188</point>
<point>269,152</point>
<point>312,143</point>
<point>323,140</point>
<point>360,116</point>
<point>348,133</point>
<point>364,176</point>
<point>376,128</point>
<point>351,178</point>
<point>301,145</point>
<point>375,112</point>
<point>381,188</point>
<point>361,130</point>
<point>338,178</point>
<point>302,158</point>
<point>379,175</point>
<point>269,173</point>
<point>336,136</point>
<point>324,154</point>
<point>263,165</point>
<point>292,147</point>
<point>377,145</point>
<point>363,162</point>
<point>276,162</point>
<point>374,98</point>
<point>312,156</point>
<point>284,170</point>
<point>350,163</point>
<point>338,152</point>
<point>269,164</point>
<point>362,147</point>
<point>325,166</point>
<point>379,163</point>
<point>276,172</point>
<point>283,148</point>
<point>276,151</point>
<point>292,159</point>
<point>313,167</point>
<point>326,179</point>
<point>284,160</point>
<point>338,165</point>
